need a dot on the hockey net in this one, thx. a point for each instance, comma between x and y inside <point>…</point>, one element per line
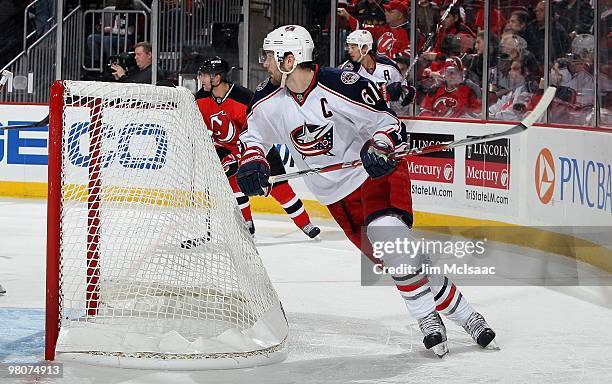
<point>149,262</point>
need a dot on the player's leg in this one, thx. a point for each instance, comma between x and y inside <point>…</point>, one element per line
<point>350,214</point>
<point>284,194</point>
<point>448,298</point>
<point>388,215</point>
<point>454,305</point>
<point>243,204</point>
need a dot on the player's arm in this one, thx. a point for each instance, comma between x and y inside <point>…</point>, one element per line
<point>385,135</point>
<point>255,141</point>
<point>229,161</point>
<point>373,118</point>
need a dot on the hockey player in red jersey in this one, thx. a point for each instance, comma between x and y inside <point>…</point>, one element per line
<point>453,98</point>
<point>223,106</point>
<point>327,116</point>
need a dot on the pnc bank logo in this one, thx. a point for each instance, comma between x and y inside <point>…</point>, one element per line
<point>545,176</point>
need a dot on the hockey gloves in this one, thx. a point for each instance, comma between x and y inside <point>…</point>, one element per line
<point>408,94</point>
<point>375,156</point>
<point>230,165</point>
<point>253,173</point>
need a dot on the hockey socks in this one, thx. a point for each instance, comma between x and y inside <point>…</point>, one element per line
<point>449,300</point>
<point>284,194</point>
<point>242,200</point>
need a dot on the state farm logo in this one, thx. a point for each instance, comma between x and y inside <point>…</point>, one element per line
<point>545,176</point>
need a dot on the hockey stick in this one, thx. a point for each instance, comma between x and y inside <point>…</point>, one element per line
<point>527,122</point>
<point>39,124</point>
<point>430,39</point>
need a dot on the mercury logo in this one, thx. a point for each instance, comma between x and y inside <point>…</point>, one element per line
<point>545,176</point>
<point>448,172</point>
<point>504,178</point>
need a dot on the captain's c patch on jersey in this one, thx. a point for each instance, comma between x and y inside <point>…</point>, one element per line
<point>313,140</point>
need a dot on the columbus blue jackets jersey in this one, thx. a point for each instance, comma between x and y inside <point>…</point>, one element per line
<point>386,75</point>
<point>327,124</point>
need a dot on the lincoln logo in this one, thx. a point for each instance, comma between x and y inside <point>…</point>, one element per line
<point>545,176</point>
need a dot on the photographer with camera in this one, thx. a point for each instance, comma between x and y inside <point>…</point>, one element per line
<point>142,72</point>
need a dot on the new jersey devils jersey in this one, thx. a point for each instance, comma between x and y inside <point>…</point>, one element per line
<point>451,103</point>
<point>327,124</point>
<point>386,75</point>
<point>225,117</point>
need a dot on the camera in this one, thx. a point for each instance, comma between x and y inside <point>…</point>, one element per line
<point>126,60</point>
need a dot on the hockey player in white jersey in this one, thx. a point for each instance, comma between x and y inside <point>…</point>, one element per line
<point>381,70</point>
<point>326,116</point>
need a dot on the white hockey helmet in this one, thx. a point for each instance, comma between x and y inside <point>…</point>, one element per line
<point>293,39</point>
<point>360,37</point>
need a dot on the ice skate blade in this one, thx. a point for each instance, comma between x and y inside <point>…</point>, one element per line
<point>492,346</point>
<point>441,349</point>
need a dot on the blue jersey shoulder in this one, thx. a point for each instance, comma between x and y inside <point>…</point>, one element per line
<point>264,89</point>
<point>387,61</point>
<point>349,84</point>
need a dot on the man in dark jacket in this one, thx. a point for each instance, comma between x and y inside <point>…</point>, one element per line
<point>144,58</point>
<point>576,16</point>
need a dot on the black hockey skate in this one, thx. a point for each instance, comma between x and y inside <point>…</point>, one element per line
<point>311,231</point>
<point>435,333</point>
<point>480,331</point>
<point>251,227</point>
<point>2,290</point>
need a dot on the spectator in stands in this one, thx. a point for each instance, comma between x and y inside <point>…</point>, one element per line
<point>369,12</point>
<point>605,63</point>
<point>453,24</point>
<point>558,37</point>
<point>45,10</point>
<point>144,59</point>
<point>576,16</point>
<point>574,100</point>
<point>514,78</point>
<point>514,105</point>
<point>474,71</point>
<point>427,16</point>
<point>432,76</point>
<point>497,21</point>
<point>453,98</point>
<point>513,48</point>
<point>581,66</point>
<point>518,23</point>
<point>113,34</point>
<point>392,38</point>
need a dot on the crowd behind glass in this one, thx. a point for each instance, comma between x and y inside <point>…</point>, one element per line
<point>516,52</point>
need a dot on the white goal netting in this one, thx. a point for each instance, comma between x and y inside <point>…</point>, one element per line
<point>156,265</point>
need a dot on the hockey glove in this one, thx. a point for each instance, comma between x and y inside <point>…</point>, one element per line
<point>230,165</point>
<point>408,94</point>
<point>375,156</point>
<point>253,173</point>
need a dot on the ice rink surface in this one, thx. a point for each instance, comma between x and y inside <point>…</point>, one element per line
<point>340,331</point>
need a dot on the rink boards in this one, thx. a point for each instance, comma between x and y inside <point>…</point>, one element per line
<point>547,176</point>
